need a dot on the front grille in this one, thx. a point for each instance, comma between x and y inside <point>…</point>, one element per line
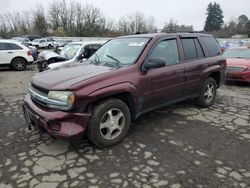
<point>231,69</point>
<point>35,92</point>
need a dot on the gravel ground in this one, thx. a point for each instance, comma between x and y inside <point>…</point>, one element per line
<point>178,146</point>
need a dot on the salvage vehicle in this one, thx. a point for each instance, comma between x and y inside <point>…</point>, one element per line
<point>127,77</point>
<point>41,43</point>
<point>15,55</point>
<point>72,52</point>
<point>238,64</point>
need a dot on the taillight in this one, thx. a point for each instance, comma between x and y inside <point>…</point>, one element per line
<point>29,53</point>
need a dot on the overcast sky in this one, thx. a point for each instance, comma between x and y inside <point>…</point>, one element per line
<point>188,12</point>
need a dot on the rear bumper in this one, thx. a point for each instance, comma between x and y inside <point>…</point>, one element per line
<point>59,124</point>
<point>242,77</point>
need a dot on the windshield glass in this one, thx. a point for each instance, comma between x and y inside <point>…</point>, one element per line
<point>119,52</point>
<point>237,53</point>
<point>70,50</point>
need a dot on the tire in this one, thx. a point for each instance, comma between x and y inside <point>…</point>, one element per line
<point>50,46</point>
<point>208,93</point>
<point>109,123</point>
<point>37,47</point>
<point>42,66</point>
<point>18,64</point>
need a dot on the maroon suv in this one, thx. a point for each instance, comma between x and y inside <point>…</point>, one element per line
<point>124,79</point>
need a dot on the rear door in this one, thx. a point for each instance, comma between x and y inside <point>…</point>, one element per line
<point>193,62</point>
<point>167,83</point>
<point>6,53</point>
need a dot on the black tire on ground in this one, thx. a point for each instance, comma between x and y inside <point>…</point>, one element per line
<point>42,66</point>
<point>208,93</point>
<point>109,123</point>
<point>18,64</point>
<point>50,46</point>
<point>37,47</point>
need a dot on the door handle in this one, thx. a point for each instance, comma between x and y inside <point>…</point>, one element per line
<point>10,52</point>
<point>180,72</point>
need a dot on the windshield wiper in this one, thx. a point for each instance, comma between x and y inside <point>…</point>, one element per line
<point>117,62</point>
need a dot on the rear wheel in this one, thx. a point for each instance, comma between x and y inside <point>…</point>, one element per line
<point>109,123</point>
<point>18,64</point>
<point>208,93</point>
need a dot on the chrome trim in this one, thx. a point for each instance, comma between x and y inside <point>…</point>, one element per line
<point>46,100</point>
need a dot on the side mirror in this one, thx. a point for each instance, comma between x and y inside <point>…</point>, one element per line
<point>153,63</point>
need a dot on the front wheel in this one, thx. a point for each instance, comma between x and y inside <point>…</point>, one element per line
<point>109,123</point>
<point>208,93</point>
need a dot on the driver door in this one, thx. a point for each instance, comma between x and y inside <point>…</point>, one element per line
<point>167,83</point>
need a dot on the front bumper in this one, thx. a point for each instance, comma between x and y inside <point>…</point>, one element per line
<point>59,124</point>
<point>241,77</point>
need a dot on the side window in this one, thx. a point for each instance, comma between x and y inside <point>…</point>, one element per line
<point>42,41</point>
<point>212,45</point>
<point>189,48</point>
<point>199,49</point>
<point>12,46</point>
<point>166,50</point>
<point>2,46</point>
<point>90,50</point>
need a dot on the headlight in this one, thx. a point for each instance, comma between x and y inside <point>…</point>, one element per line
<point>62,100</point>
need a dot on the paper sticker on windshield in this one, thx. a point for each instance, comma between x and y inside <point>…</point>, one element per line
<point>136,44</point>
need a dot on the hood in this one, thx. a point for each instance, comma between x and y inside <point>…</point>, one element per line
<point>64,77</point>
<point>48,54</point>
<point>64,63</point>
<point>33,43</point>
<point>238,62</point>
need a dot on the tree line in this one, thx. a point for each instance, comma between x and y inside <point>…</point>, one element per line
<point>216,25</point>
<point>75,19</point>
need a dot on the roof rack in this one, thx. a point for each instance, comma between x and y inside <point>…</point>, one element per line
<point>176,31</point>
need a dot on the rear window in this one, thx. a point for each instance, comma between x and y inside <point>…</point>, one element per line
<point>212,45</point>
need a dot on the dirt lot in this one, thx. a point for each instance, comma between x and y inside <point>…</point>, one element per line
<point>179,146</point>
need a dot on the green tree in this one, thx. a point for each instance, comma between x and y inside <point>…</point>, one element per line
<point>214,20</point>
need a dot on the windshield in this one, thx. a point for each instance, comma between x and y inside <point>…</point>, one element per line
<point>237,53</point>
<point>119,52</point>
<point>70,50</point>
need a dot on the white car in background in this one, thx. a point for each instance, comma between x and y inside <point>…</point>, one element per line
<point>41,43</point>
<point>15,55</point>
<point>76,52</point>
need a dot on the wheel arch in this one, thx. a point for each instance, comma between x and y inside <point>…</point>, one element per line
<point>216,75</point>
<point>20,58</point>
<point>128,95</point>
